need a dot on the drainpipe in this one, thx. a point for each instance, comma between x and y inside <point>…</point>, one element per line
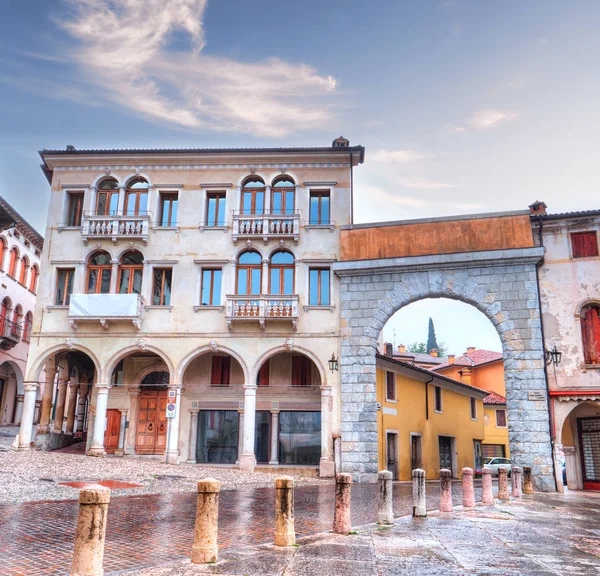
<point>427,398</point>
<point>548,400</point>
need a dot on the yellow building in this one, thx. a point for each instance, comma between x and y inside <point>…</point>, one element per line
<point>426,421</point>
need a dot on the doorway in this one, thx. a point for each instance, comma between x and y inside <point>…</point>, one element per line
<point>415,451</point>
<point>151,431</point>
<point>261,435</point>
<point>589,447</point>
<point>477,456</point>
<point>392,453</point>
<point>445,443</point>
<point>112,431</point>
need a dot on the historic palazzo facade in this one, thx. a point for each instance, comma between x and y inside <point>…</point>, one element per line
<point>195,284</point>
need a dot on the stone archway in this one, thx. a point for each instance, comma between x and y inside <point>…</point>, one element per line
<point>500,283</point>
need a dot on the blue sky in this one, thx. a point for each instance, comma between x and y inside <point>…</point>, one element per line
<point>463,106</point>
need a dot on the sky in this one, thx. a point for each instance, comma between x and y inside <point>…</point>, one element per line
<point>463,106</point>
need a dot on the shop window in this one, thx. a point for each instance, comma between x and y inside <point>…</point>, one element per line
<point>211,287</point>
<point>217,436</point>
<point>161,290</point>
<point>390,390</point>
<point>585,244</point>
<point>500,418</point>
<point>220,371</point>
<point>299,438</point>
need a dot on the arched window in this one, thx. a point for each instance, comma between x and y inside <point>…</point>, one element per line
<point>16,321</point>
<point>107,198</point>
<point>253,196</point>
<point>98,273</point>
<point>4,311</point>
<point>33,281</point>
<point>136,198</point>
<point>590,332</point>
<point>131,269</point>
<point>27,326</point>
<point>281,273</point>
<point>156,379</point>
<point>283,195</point>
<point>24,271</point>
<point>3,248</point>
<point>14,259</point>
<point>249,273</point>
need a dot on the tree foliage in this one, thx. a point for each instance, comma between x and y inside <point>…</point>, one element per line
<point>432,343</point>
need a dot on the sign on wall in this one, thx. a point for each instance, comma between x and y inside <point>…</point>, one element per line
<point>171,403</point>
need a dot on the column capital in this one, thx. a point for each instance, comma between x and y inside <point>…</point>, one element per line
<point>250,387</point>
<point>30,386</point>
<point>102,387</point>
<point>175,387</point>
<point>194,410</point>
<point>325,390</point>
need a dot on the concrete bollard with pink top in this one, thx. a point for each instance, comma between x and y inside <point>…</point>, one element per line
<point>527,480</point>
<point>285,534</point>
<point>385,508</point>
<point>516,482</point>
<point>418,490</point>
<point>487,492</point>
<point>88,555</point>
<point>446,490</point>
<point>342,521</point>
<point>205,548</point>
<point>468,490</point>
<point>503,484</point>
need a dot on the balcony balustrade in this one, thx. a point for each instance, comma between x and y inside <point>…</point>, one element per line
<point>106,308</point>
<point>116,226</point>
<point>266,226</point>
<point>10,333</point>
<point>262,308</point>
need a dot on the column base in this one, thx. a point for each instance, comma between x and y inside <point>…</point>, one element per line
<point>43,429</point>
<point>326,468</point>
<point>273,462</point>
<point>248,462</point>
<point>172,458</point>
<point>120,452</point>
<point>191,461</point>
<point>97,451</point>
<point>23,448</point>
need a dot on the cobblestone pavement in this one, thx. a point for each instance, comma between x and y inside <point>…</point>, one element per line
<point>537,536</point>
<point>36,538</point>
<point>7,436</point>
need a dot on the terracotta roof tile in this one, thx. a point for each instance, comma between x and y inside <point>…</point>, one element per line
<point>494,398</point>
<point>475,358</point>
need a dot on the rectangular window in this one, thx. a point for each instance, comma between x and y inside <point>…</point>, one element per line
<point>217,436</point>
<point>319,207</point>
<point>585,244</point>
<point>211,287</point>
<point>318,289</point>
<point>390,389</point>
<point>75,208</point>
<point>168,209</point>
<point>215,209</point>
<point>220,371</point>
<point>161,290</point>
<point>301,371</point>
<point>500,418</point>
<point>299,438</point>
<point>64,286</point>
<point>473,409</point>
<point>437,398</point>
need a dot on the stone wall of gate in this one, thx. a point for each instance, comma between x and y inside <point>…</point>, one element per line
<point>500,283</point>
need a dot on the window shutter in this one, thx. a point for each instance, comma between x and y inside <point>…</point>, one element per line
<point>263,374</point>
<point>590,244</point>
<point>226,370</point>
<point>215,378</point>
<point>296,370</point>
<point>576,241</point>
<point>590,333</point>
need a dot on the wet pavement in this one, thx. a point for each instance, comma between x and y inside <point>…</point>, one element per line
<point>36,538</point>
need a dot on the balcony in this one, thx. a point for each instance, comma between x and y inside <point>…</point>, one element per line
<point>266,226</point>
<point>262,308</point>
<point>105,309</point>
<point>10,334</point>
<point>116,227</point>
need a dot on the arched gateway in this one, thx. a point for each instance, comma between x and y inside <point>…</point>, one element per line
<point>488,261</point>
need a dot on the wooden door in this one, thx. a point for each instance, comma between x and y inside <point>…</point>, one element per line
<point>392,454</point>
<point>446,453</point>
<point>112,431</point>
<point>151,432</point>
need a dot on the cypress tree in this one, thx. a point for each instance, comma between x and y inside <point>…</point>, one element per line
<point>431,339</point>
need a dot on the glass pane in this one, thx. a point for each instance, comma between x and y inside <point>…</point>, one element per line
<point>105,282</point>
<point>282,258</point>
<point>217,436</point>
<point>314,210</point>
<point>156,287</point>
<point>255,287</point>
<point>247,203</point>
<point>60,289</point>
<point>275,277</point>
<point>313,288</point>
<point>205,297</point>
<point>102,201</point>
<point>109,185</point>
<point>324,287</point>
<point>137,281</point>
<point>100,259</point>
<point>288,281</point>
<point>277,199</point>
<point>124,286</point>
<point>216,300</point>
<point>289,202</point>
<point>174,208</point>
<point>222,207</point>
<point>92,278</point>
<point>324,210</point>
<point>211,212</point>
<point>167,288</point>
<point>114,203</point>
<point>250,258</point>
<point>242,281</point>
<point>69,285</point>
<point>284,183</point>
<point>130,204</point>
<point>299,437</point>
<point>143,207</point>
<point>164,210</point>
<point>132,258</point>
<point>259,203</point>
<point>261,435</point>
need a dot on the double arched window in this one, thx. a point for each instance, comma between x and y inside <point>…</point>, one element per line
<point>590,333</point>
<point>136,197</point>
<point>107,198</point>
<point>14,259</point>
<point>16,321</point>
<point>131,270</point>
<point>281,273</point>
<point>253,196</point>
<point>33,281</point>
<point>98,273</point>
<point>24,271</point>
<point>283,196</point>
<point>249,273</point>
<point>4,311</point>
<point>27,326</point>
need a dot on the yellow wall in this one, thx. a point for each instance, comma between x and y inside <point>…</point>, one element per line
<point>494,435</point>
<point>488,377</point>
<point>455,421</point>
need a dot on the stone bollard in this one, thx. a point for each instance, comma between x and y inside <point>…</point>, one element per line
<point>468,490</point>
<point>446,490</point>
<point>418,490</point>
<point>342,522</point>
<point>385,508</point>
<point>516,482</point>
<point>503,484</point>
<point>527,480</point>
<point>91,530</point>
<point>487,496</point>
<point>284,511</point>
<point>205,548</point>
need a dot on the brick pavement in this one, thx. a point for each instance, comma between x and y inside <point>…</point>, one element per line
<point>36,538</point>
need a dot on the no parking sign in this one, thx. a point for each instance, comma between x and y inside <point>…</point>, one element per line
<point>171,404</point>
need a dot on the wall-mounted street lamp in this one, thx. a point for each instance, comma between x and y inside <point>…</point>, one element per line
<point>553,356</point>
<point>333,364</point>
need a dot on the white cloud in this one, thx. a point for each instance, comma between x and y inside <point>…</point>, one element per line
<point>484,120</point>
<point>417,183</point>
<point>124,53</point>
<point>397,156</point>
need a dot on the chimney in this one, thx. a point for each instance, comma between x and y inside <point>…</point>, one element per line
<point>471,349</point>
<point>465,375</point>
<point>389,349</point>
<point>538,208</point>
<point>340,142</point>
<point>433,352</point>
<point>402,349</point>
<point>451,358</point>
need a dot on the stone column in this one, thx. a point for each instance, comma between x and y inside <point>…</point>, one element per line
<point>79,286</point>
<point>114,274</point>
<point>274,460</point>
<point>120,451</point>
<point>385,506</point>
<point>248,458</point>
<point>172,453</point>
<point>558,477</point>
<point>59,415</point>
<point>18,409</point>
<point>134,394</point>
<point>205,548</point>
<point>83,394</point>
<point>46,411</point>
<point>97,448</point>
<point>265,277</point>
<point>418,491</point>
<point>527,480</point>
<point>25,431</point>
<point>72,406</point>
<point>516,482</point>
<point>326,464</point>
<point>285,534</point>
<point>487,492</point>
<point>91,531</point>
<point>121,200</point>
<point>446,490</point>
<point>193,435</point>
<point>146,273</point>
<point>503,484</point>
<point>468,490</point>
<point>37,411</point>
<point>342,520</point>
<point>240,436</point>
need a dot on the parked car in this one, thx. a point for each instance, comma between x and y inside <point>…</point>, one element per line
<point>494,464</point>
